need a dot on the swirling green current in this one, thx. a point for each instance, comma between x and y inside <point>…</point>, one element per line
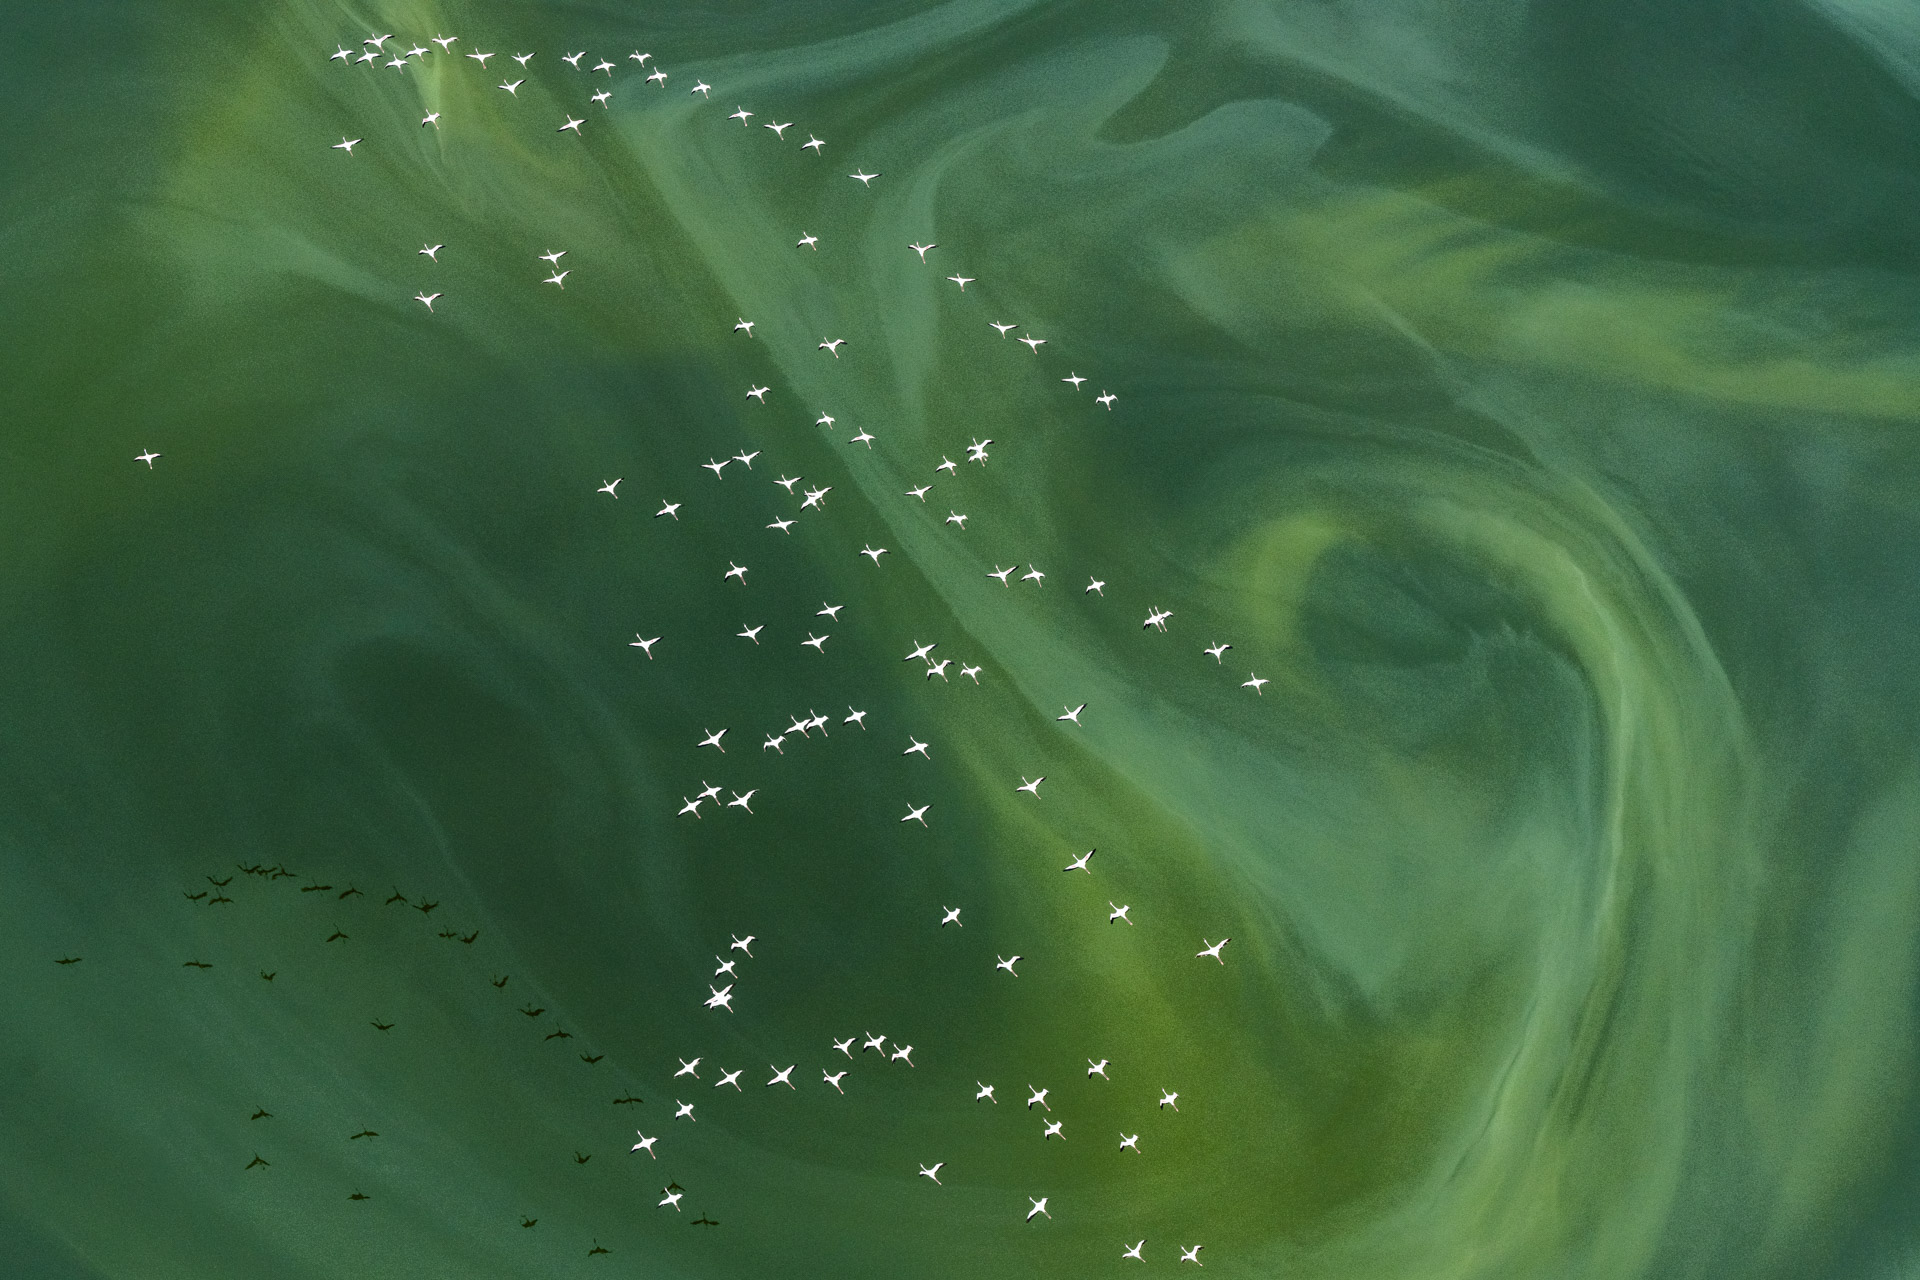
<point>1523,391</point>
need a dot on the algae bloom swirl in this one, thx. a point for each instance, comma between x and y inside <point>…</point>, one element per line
<point>960,639</point>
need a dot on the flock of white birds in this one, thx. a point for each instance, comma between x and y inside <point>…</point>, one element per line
<point>375,53</point>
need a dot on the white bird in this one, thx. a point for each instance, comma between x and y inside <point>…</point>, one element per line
<point>1097,1068</point>
<point>602,98</point>
<point>701,88</point>
<point>972,673</point>
<point>713,739</point>
<point>658,77</point>
<point>1033,575</point>
<point>559,278</point>
<point>977,451</point>
<point>752,633</point>
<point>1096,587</point>
<point>398,64</point>
<point>738,571</point>
<point>513,86</point>
<point>916,747</point>
<point>938,668</point>
<point>807,242</point>
<point>573,59</point>
<point>815,498</point>
<point>646,647</point>
<point>418,51</point>
<point>1039,1096</point>
<point>1080,863</point>
<point>1106,398</point>
<point>645,1144</point>
<point>724,966</point>
<point>1157,617</point>
<point>552,256</point>
<point>779,130</point>
<point>366,57</point>
<point>346,144</point>
<point>523,58</point>
<point>1211,950</point>
<point>341,56</point>
<point>148,457</point>
<point>873,553</point>
<point>830,611</point>
<point>1075,379</point>
<point>1192,1255</point>
<point>609,487</point>
<point>1034,344</point>
<point>431,118</point>
<point>1039,1206</point>
<point>954,517</point>
<point>1004,329</point>
<point>1072,714</point>
<point>480,58</point>
<point>1031,788</point>
<point>920,493</point>
<point>919,815</point>
<point>431,251</point>
<point>819,643</point>
<point>1052,1128</point>
<point>1002,574</point>
<point>932,1171</point>
<point>1007,963</point>
<point>604,65</point>
<point>833,346</point>
<point>863,178</point>
<point>1134,1252</point>
<point>445,42</point>
<point>1169,1100</point>
<point>784,526</point>
<point>906,1052</point>
<point>855,717</point>
<point>685,1110</point>
<point>757,393</point>
<point>669,509</point>
<point>740,801</point>
<point>962,281</point>
<point>690,807</point>
<point>668,1197</point>
<point>834,1079</point>
<point>746,459</point>
<point>986,1092</point>
<point>922,249</point>
<point>787,482</point>
<point>952,916</point>
<point>715,467</point>
<point>742,115</point>
<point>1130,1140</point>
<point>812,144</point>
<point>639,57</point>
<point>799,726</point>
<point>947,464</point>
<point>1119,913</point>
<point>426,298</point>
<point>742,944</point>
<point>780,1077</point>
<point>1253,682</point>
<point>708,791</point>
<point>722,999</point>
<point>824,420</point>
<point>865,437</point>
<point>688,1068</point>
<point>1215,650</point>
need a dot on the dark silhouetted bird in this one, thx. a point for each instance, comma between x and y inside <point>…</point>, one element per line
<point>257,1162</point>
<point>194,897</point>
<point>593,1059</point>
<point>351,892</point>
<point>261,1114</point>
<point>501,981</point>
<point>196,964</point>
<point>381,1026</point>
<point>70,960</point>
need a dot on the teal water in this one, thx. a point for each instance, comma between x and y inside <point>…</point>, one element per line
<point>1524,391</point>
